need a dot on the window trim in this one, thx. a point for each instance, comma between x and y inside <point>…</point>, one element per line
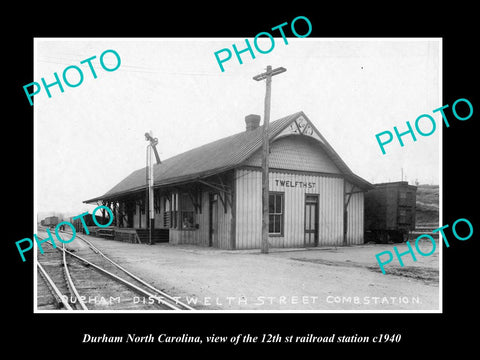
<point>183,197</point>
<point>282,215</point>
<point>193,227</point>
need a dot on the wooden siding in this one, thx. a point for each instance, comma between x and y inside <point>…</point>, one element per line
<point>355,220</point>
<point>139,219</point>
<point>200,236</point>
<point>383,205</point>
<point>158,219</point>
<point>330,211</point>
<point>194,236</point>
<point>243,231</point>
<point>295,152</point>
<point>224,226</point>
<point>249,208</point>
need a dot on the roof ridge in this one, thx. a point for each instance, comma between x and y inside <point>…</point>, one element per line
<point>293,115</point>
<point>216,156</point>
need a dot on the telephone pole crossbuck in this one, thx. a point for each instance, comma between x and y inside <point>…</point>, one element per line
<point>265,164</point>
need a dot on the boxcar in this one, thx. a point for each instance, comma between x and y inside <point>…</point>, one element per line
<point>390,212</point>
<point>50,221</point>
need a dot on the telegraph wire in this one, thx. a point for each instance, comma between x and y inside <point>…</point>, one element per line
<point>139,69</point>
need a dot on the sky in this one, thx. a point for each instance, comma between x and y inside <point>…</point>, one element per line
<point>88,138</point>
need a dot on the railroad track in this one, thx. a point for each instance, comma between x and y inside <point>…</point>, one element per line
<point>54,284</point>
<point>51,289</point>
<point>93,281</point>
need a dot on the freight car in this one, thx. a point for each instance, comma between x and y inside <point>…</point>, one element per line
<point>77,223</point>
<point>390,212</point>
<point>50,221</point>
<point>88,219</point>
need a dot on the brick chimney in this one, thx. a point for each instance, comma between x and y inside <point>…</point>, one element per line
<point>252,121</point>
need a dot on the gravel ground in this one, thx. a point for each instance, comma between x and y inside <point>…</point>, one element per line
<point>320,279</point>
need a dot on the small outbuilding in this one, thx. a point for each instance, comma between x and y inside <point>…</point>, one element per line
<point>212,195</point>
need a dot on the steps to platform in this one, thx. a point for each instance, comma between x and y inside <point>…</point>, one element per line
<point>158,235</point>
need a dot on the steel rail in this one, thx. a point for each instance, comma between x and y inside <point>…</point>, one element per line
<point>143,282</point>
<point>70,283</point>
<point>53,286</point>
<point>123,281</point>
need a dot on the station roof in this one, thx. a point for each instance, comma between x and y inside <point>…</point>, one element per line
<point>219,156</point>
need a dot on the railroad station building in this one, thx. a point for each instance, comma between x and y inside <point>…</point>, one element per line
<point>212,195</point>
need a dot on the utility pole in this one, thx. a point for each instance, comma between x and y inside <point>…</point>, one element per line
<point>151,214</point>
<point>266,150</point>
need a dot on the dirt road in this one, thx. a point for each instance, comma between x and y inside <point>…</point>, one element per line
<point>317,279</point>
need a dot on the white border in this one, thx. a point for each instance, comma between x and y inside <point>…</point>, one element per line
<point>400,311</point>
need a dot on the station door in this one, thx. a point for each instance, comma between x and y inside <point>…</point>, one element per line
<point>311,220</point>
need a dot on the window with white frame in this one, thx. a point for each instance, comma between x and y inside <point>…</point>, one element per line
<point>187,212</point>
<point>275,213</point>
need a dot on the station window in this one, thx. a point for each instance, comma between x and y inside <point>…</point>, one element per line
<point>188,220</point>
<point>275,210</point>
<point>187,212</point>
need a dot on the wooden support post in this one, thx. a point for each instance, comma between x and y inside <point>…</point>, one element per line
<point>345,210</point>
<point>265,163</point>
